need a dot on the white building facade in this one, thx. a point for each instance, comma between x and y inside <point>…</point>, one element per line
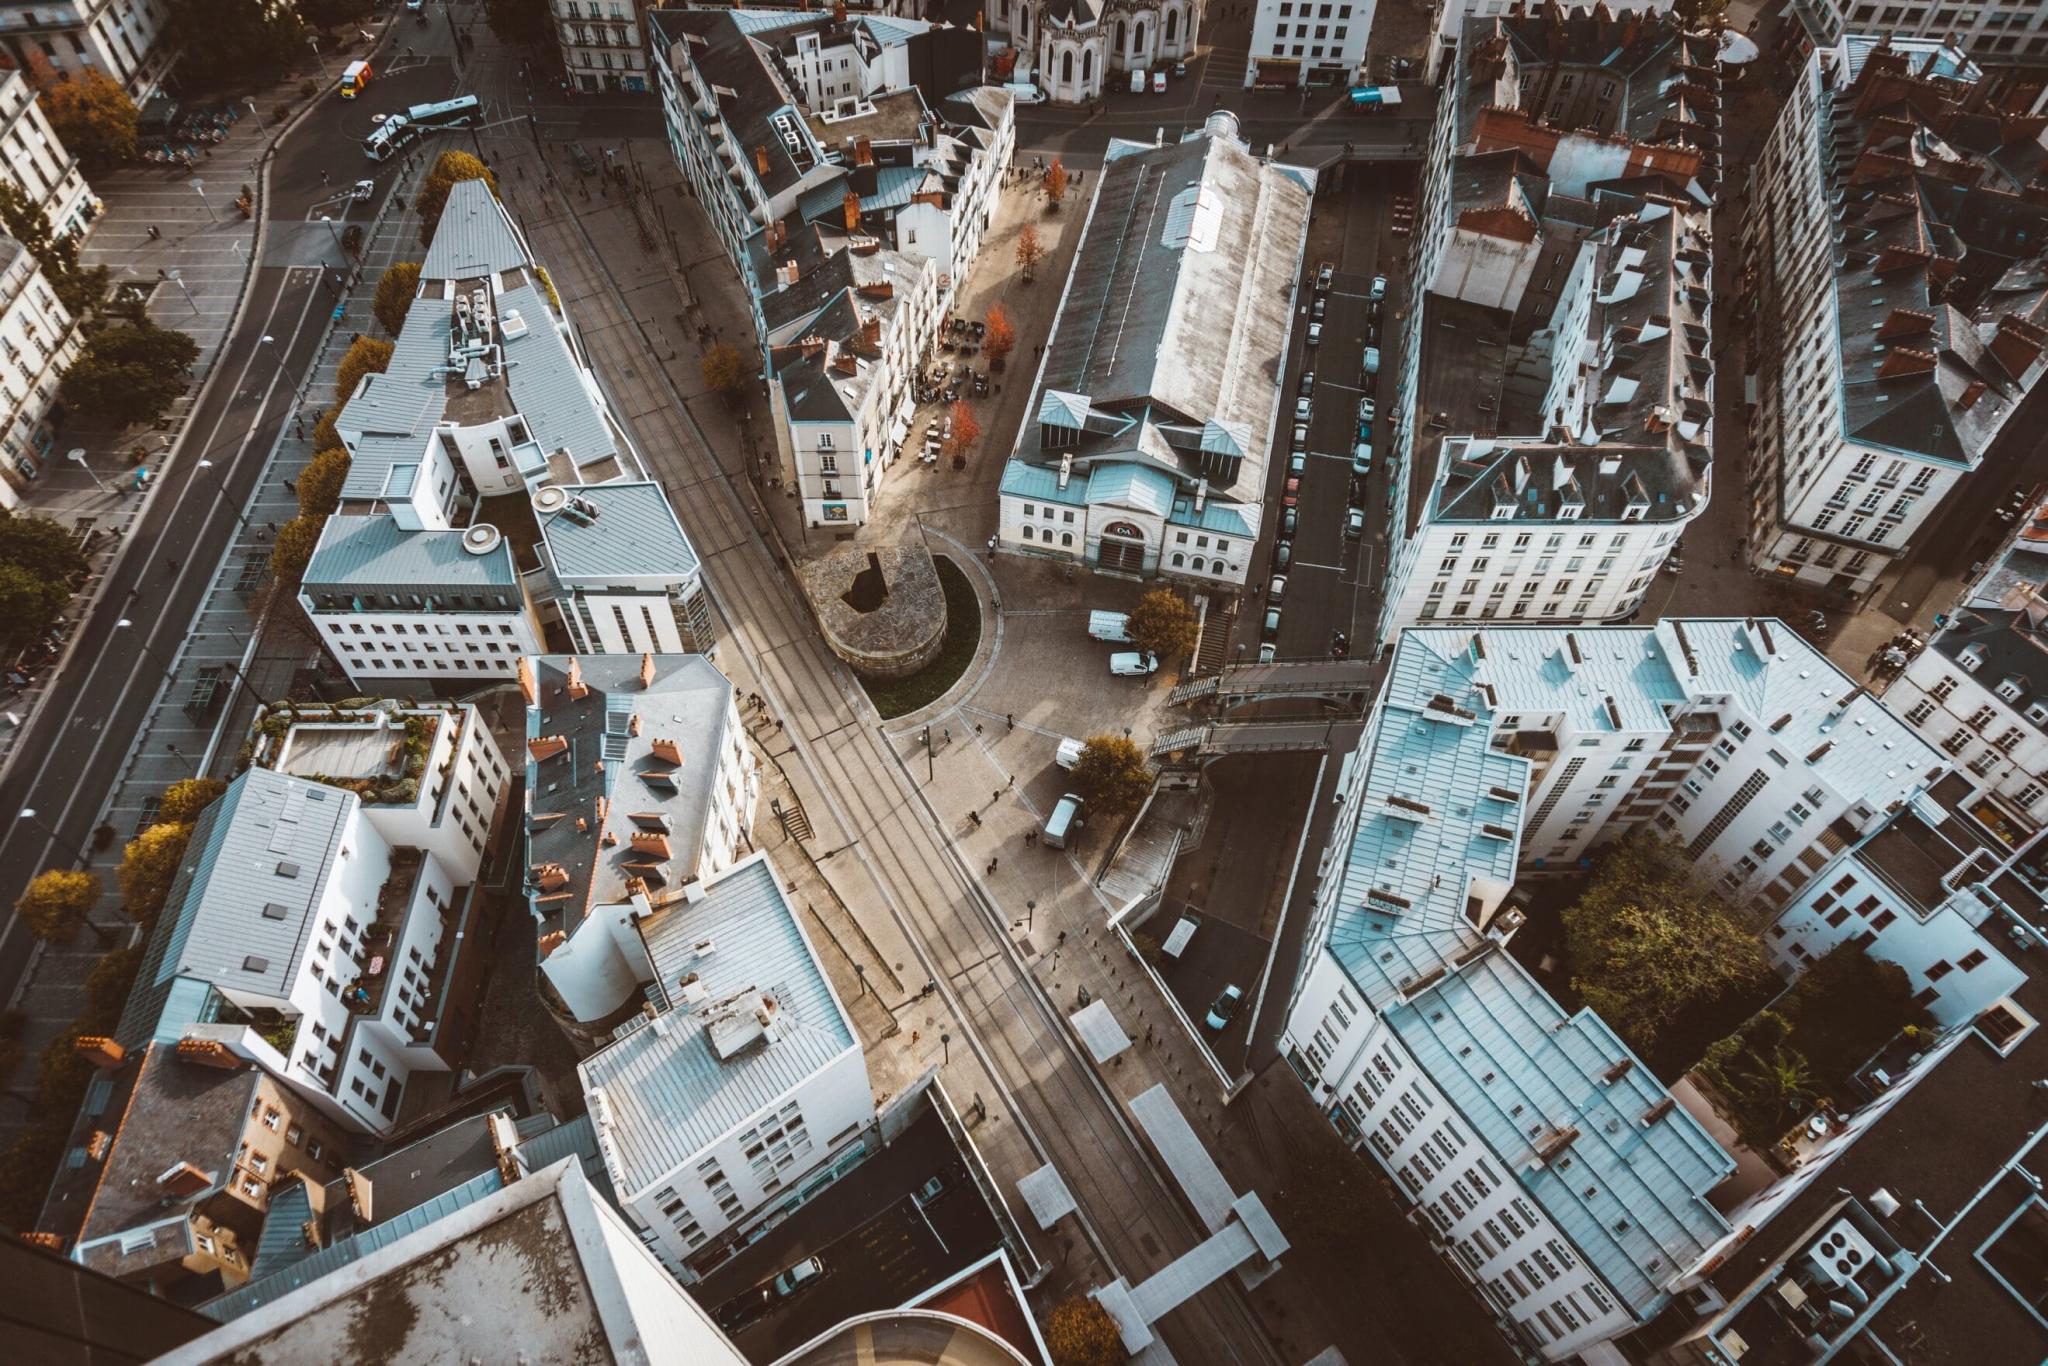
<point>38,341</point>
<point>2004,34</point>
<point>1309,43</point>
<point>122,39</point>
<point>1076,52</point>
<point>36,162</point>
<point>601,46</point>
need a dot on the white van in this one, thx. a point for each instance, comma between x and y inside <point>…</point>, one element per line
<point>1069,753</point>
<point>1061,824</point>
<point>1137,82</point>
<point>1177,938</point>
<point>1113,627</point>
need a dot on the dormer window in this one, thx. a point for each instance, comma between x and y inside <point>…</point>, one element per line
<point>2011,690</point>
<point>2038,713</point>
<point>1972,658</point>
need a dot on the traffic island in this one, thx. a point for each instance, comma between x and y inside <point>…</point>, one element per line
<point>881,609</point>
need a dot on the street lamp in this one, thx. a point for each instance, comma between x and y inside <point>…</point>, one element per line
<point>221,484</point>
<point>316,55</point>
<point>256,116</point>
<point>177,278</point>
<point>76,455</point>
<point>332,231</point>
<point>282,373</point>
<point>199,188</point>
<point>182,757</point>
<point>125,624</point>
<point>28,813</point>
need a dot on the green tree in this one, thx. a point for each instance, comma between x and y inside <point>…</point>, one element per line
<point>1112,775</point>
<point>94,118</point>
<point>1080,1332</point>
<point>186,798</point>
<point>44,547</point>
<point>450,168</point>
<point>293,549</point>
<point>365,356</point>
<point>320,482</point>
<point>57,902</point>
<point>78,288</point>
<point>149,866</point>
<point>522,22</point>
<point>396,288</point>
<point>129,373</point>
<point>1653,949</point>
<point>29,604</point>
<point>1163,623</point>
<point>236,43</point>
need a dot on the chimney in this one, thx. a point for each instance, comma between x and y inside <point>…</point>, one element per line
<point>863,153</point>
<point>544,747</point>
<point>812,345</point>
<point>849,208</point>
<point>1201,495</point>
<point>100,1052</point>
<point>528,688</point>
<point>551,877</point>
<point>549,942</point>
<point>99,1145</point>
<point>871,333</point>
<point>651,842</point>
<point>184,1180</point>
<point>667,749</point>
<point>2016,345</point>
<point>646,681</point>
<point>576,687</point>
<point>761,160</point>
<point>633,724</point>
<point>209,1053</point>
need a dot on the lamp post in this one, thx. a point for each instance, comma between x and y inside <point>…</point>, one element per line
<point>316,55</point>
<point>199,188</point>
<point>76,455</point>
<point>282,373</point>
<point>177,278</point>
<point>28,813</point>
<point>124,624</point>
<point>221,484</point>
<point>256,116</point>
<point>182,758</point>
<point>332,231</point>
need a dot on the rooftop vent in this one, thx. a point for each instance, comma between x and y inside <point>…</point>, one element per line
<point>744,1022</point>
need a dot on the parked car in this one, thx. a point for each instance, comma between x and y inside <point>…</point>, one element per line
<point>1361,459</point>
<point>1379,288</point>
<point>585,162</point>
<point>1300,442</point>
<point>1372,360</point>
<point>799,1277</point>
<point>1159,82</point>
<point>1372,334</point>
<point>1291,493</point>
<point>1325,273</point>
<point>1287,521</point>
<point>1315,334</point>
<point>1282,554</point>
<point>1276,590</point>
<point>1224,1008</point>
<point>1318,308</point>
<point>1180,69</point>
<point>1267,654</point>
<point>1306,385</point>
<point>1303,409</point>
<point>1269,629</point>
<point>1297,463</point>
<point>1372,310</point>
<point>1354,524</point>
<point>1133,663</point>
<point>1365,431</point>
<point>1366,410</point>
<point>1068,754</point>
<point>1356,496</point>
<point>1110,626</point>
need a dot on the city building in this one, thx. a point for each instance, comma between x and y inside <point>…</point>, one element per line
<point>739,1091</point>
<point>600,44</point>
<point>1979,689</point>
<point>122,39</point>
<point>1550,432</point>
<point>1451,16</point>
<point>850,180</point>
<point>542,1268</point>
<point>38,341</point>
<point>639,784</point>
<point>1079,52</point>
<point>1310,43</point>
<point>1144,447</point>
<point>1990,33</point>
<point>171,1179</point>
<point>493,504</point>
<point>1894,257</point>
<point>300,936</point>
<point>36,161</point>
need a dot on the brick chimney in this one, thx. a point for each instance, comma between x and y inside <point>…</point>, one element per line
<point>544,747</point>
<point>576,687</point>
<point>871,333</point>
<point>209,1053</point>
<point>812,345</point>
<point>849,208</point>
<point>528,687</point>
<point>646,681</point>
<point>2016,345</point>
<point>665,748</point>
<point>100,1052</point>
<point>761,160</point>
<point>552,877</point>
<point>552,940</point>
<point>650,842</point>
<point>863,153</point>
<point>184,1179</point>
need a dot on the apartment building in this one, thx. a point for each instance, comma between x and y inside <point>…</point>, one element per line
<point>122,39</point>
<point>601,45</point>
<point>1309,43</point>
<point>492,495</point>
<point>38,341</point>
<point>36,161</point>
<point>1550,432</point>
<point>1451,17</point>
<point>1896,260</point>
<point>850,181</point>
<point>740,1091</point>
<point>2000,33</point>
<point>639,783</point>
<point>1144,447</point>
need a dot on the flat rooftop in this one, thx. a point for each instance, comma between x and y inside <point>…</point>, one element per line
<point>316,749</point>
<point>896,116</point>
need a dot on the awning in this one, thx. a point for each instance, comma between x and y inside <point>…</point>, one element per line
<point>899,432</point>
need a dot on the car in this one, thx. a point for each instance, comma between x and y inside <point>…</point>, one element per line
<point>1365,431</point>
<point>1287,523</point>
<point>1307,383</point>
<point>1291,494</point>
<point>1372,310</point>
<point>1277,589</point>
<point>1303,409</point>
<point>415,5</point>
<point>1356,497</point>
<point>1366,410</point>
<point>1133,663</point>
<point>743,1308</point>
<point>1315,334</point>
<point>1379,288</point>
<point>799,1277</point>
<point>1297,463</point>
<point>1269,629</point>
<point>1267,654</point>
<point>1372,360</point>
<point>1224,1008</point>
<point>585,162</point>
<point>1111,627</point>
<point>1372,334</point>
<point>1300,437</point>
<point>1180,69</point>
<point>1318,308</point>
<point>1354,524</point>
<point>1068,754</point>
<point>1159,82</point>
<point>362,190</point>
<point>1361,459</point>
<point>1282,554</point>
<point>1326,273</point>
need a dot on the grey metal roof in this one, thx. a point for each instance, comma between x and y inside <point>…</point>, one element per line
<point>635,535</point>
<point>358,552</point>
<point>474,237</point>
<point>267,842</point>
<point>548,386</point>
<point>667,1094</point>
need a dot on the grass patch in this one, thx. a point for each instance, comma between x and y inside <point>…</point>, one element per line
<point>894,697</point>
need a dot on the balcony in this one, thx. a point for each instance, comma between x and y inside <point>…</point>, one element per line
<point>375,961</point>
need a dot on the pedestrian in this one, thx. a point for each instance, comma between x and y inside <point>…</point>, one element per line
<point>1030,838</point>
<point>299,428</point>
<point>778,725</point>
<point>992,864</point>
<point>326,179</point>
<point>1011,719</point>
<point>290,487</point>
<point>975,816</point>
<point>996,795</point>
<point>1063,936</point>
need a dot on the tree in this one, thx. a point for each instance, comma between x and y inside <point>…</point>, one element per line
<point>44,547</point>
<point>325,437</point>
<point>450,168</point>
<point>78,288</point>
<point>966,428</point>
<point>129,373</point>
<point>396,289</point>
<point>999,337</point>
<point>1080,1332</point>
<point>334,13</point>
<point>1030,251</point>
<point>186,798</point>
<point>94,118</point>
<point>29,604</point>
<point>1112,775</point>
<point>57,902</point>
<point>107,987</point>
<point>724,370</point>
<point>149,865</point>
<point>365,356</point>
<point>235,43</point>
<point>1163,623</point>
<point>523,22</point>
<point>1055,183</point>
<point>1654,950</point>
<point>320,482</point>
<point>293,549</point>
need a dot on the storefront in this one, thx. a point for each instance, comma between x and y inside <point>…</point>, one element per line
<point>1271,74</point>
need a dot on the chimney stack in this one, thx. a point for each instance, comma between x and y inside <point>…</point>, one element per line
<point>863,153</point>
<point>528,688</point>
<point>849,209</point>
<point>646,681</point>
<point>100,1052</point>
<point>665,748</point>
<point>576,687</point>
<point>761,160</point>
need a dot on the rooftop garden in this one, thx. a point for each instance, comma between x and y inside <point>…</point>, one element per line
<point>397,785</point>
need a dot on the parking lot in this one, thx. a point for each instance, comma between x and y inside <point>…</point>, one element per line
<point>1217,955</point>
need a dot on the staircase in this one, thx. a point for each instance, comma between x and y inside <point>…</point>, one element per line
<point>1193,690</point>
<point>1214,651</point>
<point>795,823</point>
<point>1177,740</point>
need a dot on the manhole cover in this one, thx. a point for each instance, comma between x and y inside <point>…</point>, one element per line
<point>1026,946</point>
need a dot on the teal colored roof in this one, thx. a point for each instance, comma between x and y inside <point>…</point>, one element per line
<point>635,535</point>
<point>1135,485</point>
<point>1229,518</point>
<point>1023,479</point>
<point>377,552</point>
